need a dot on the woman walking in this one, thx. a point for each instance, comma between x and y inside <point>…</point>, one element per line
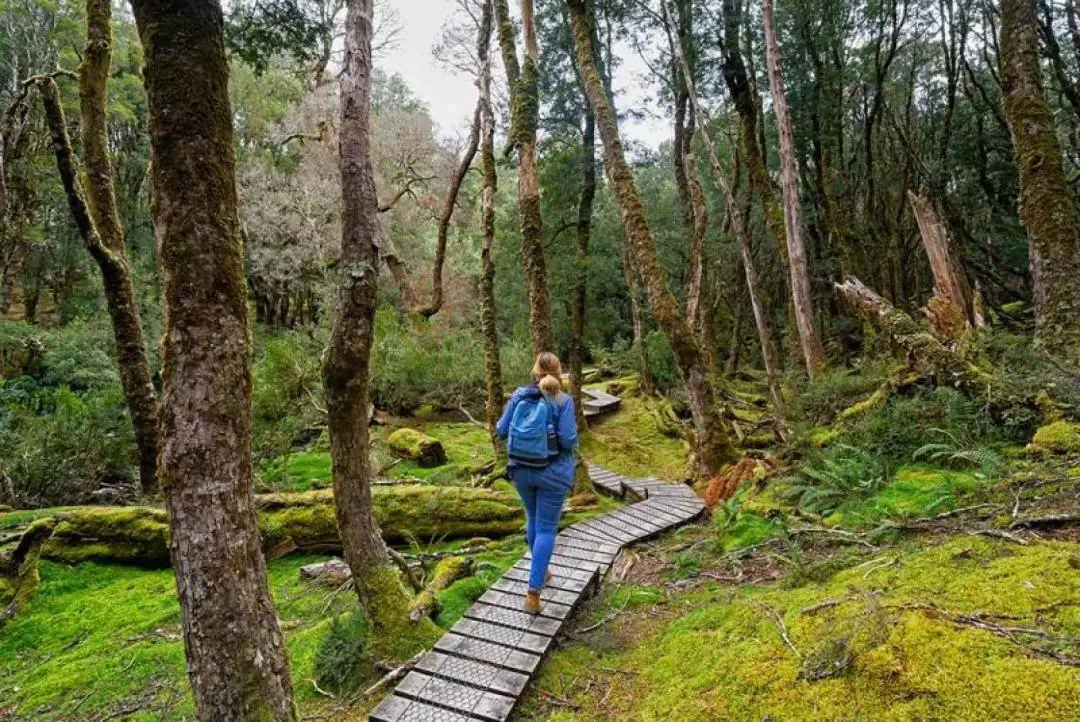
<point>538,425</point>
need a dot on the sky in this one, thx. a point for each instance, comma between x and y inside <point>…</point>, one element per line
<point>451,96</point>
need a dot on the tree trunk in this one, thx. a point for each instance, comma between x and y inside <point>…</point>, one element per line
<point>235,652</point>
<point>584,229</point>
<point>637,322</point>
<point>345,371</point>
<point>493,391</point>
<point>813,354</point>
<point>447,212</point>
<point>98,221</point>
<point>1046,205</point>
<point>740,226</point>
<point>700,215</point>
<point>524,85</point>
<point>713,449</point>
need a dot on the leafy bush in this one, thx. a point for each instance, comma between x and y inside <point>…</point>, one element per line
<point>341,663</point>
<point>843,474</point>
<point>959,452</point>
<point>57,446</point>
<point>286,394</point>
<point>897,428</point>
<point>833,391</point>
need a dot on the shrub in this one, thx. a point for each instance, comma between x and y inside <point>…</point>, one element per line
<point>897,428</point>
<point>56,446</point>
<point>341,662</point>
<point>833,391</point>
<point>843,474</point>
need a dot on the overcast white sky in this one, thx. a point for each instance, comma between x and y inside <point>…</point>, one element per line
<point>451,96</point>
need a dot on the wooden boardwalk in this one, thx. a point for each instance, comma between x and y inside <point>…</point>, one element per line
<point>481,666</point>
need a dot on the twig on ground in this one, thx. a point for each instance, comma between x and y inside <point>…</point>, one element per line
<point>843,535</point>
<point>403,565</point>
<point>319,689</point>
<point>606,619</point>
<point>558,700</point>
<point>1045,520</point>
<point>394,674</point>
<point>961,510</point>
<point>1016,506</point>
<point>1001,535</point>
<point>779,622</point>
<point>827,604</point>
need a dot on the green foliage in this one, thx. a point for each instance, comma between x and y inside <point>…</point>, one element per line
<point>896,429</point>
<point>416,362</point>
<point>834,390</point>
<point>873,651</point>
<point>286,394</point>
<point>57,446</point>
<point>341,663</point>
<point>958,452</point>
<point>842,475</point>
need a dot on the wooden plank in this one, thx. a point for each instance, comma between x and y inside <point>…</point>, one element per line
<point>488,652</point>
<point>506,636</point>
<point>557,596</point>
<point>515,618</point>
<point>568,585</point>
<point>455,696</point>
<point>473,673</point>
<point>401,709</point>
<point>548,608</point>
<point>588,544</point>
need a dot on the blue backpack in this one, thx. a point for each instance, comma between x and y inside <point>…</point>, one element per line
<point>532,439</point>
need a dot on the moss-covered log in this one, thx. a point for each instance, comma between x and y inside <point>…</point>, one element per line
<point>417,446</point>
<point>19,571</point>
<point>139,536</point>
<point>446,572</point>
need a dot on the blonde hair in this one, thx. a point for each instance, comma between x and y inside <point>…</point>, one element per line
<point>547,373</point>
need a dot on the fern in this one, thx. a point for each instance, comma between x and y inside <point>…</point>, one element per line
<point>961,452</point>
<point>845,474</point>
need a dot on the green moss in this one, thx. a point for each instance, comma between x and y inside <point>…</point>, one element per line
<point>393,636</point>
<point>632,442</point>
<point>821,436</point>
<point>870,656</point>
<point>747,529</point>
<point>127,535</point>
<point>915,491</point>
<point>1059,437</point>
<point>98,635</point>
<point>417,446</point>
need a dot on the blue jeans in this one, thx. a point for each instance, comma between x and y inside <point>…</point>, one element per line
<point>543,499</point>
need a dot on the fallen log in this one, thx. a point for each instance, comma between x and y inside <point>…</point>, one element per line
<point>19,577</point>
<point>446,572</point>
<point>927,357</point>
<point>138,536</point>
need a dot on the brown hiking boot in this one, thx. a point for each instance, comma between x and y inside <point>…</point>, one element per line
<point>532,602</point>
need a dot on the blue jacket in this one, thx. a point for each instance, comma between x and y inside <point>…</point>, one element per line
<point>562,468</point>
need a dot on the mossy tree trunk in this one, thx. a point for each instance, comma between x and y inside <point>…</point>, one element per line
<point>235,651</point>
<point>713,448</point>
<point>740,226</point>
<point>747,105</point>
<point>581,269</point>
<point>646,384</point>
<point>98,222</point>
<point>524,84</point>
<point>345,370</point>
<point>493,391</point>
<point>813,353</point>
<point>1046,204</point>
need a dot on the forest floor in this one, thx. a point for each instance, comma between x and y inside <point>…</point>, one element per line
<point>943,595</point>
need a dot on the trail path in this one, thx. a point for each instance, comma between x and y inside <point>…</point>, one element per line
<point>480,668</point>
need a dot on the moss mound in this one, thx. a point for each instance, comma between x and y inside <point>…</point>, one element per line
<point>1059,437</point>
<point>417,446</point>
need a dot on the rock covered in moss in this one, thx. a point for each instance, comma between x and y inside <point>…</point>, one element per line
<point>1059,437</point>
<point>417,446</point>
